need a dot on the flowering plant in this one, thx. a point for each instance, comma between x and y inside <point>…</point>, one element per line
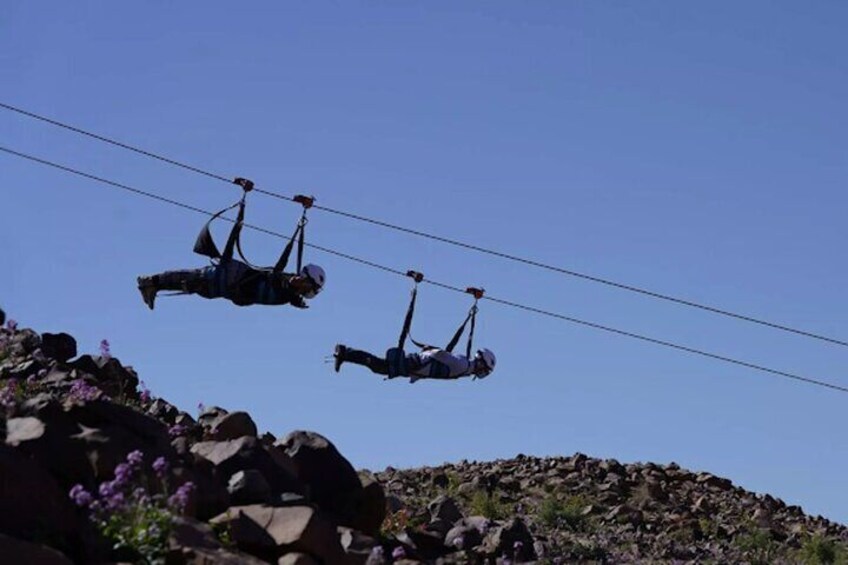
<point>129,515</point>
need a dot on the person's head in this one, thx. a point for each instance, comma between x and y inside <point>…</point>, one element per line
<point>309,282</point>
<point>484,363</point>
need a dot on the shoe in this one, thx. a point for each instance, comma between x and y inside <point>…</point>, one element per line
<point>148,291</point>
<point>339,355</point>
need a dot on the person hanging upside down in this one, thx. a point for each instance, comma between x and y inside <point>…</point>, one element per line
<point>239,281</point>
<point>430,363</point>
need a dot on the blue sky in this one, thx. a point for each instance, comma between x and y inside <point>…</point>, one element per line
<point>696,150</point>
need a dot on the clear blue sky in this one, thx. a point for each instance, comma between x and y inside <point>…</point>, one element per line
<point>694,149</point>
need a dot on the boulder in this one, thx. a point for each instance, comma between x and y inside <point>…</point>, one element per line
<point>33,507</point>
<point>444,508</point>
<point>232,426</point>
<point>18,551</point>
<point>248,487</point>
<point>60,347</point>
<point>357,546</point>
<point>511,539</point>
<point>267,531</point>
<point>331,481</point>
<point>231,456</point>
<point>296,559</point>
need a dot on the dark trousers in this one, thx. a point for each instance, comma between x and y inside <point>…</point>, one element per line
<point>195,281</point>
<point>376,364</point>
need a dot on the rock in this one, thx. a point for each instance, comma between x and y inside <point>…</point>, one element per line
<point>18,551</point>
<point>188,533</point>
<point>201,556</point>
<point>163,411</point>
<point>23,429</point>
<point>232,456</point>
<point>440,480</point>
<point>357,546</point>
<point>331,481</point>
<point>366,510</point>
<point>210,415</point>
<point>24,370</point>
<point>296,559</point>
<point>444,508</point>
<point>463,537</point>
<point>512,539</point>
<point>112,378</point>
<point>33,507</point>
<point>233,426</point>
<point>60,347</point>
<point>248,487</point>
<point>713,481</point>
<point>266,531</point>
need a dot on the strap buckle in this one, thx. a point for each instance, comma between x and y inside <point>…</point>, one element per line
<point>245,184</point>
<point>416,276</point>
<point>476,292</point>
<point>305,201</point>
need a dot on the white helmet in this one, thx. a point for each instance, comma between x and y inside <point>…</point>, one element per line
<point>316,276</point>
<point>488,358</point>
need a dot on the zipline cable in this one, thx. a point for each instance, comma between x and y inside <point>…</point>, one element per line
<point>436,283</point>
<point>446,240</point>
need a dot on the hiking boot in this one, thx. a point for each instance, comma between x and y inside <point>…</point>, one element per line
<point>148,291</point>
<point>339,355</point>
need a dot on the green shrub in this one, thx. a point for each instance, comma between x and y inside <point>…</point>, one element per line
<point>568,513</point>
<point>488,505</point>
<point>818,550</point>
<point>758,546</point>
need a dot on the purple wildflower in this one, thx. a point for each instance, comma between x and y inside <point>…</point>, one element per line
<point>107,489</point>
<point>179,500</point>
<point>12,325</point>
<point>80,496</point>
<point>135,458</point>
<point>105,351</point>
<point>8,396</point>
<point>140,495</point>
<point>115,502</point>
<point>160,467</point>
<point>201,408</point>
<point>81,391</point>
<point>177,430</point>
<point>123,473</point>
<point>399,552</point>
<point>144,395</point>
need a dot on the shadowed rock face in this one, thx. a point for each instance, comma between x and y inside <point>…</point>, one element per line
<point>297,500</point>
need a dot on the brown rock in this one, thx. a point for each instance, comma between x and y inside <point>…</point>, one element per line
<point>32,506</point>
<point>232,426</point>
<point>60,347</point>
<point>14,551</point>
<point>296,559</point>
<point>265,530</point>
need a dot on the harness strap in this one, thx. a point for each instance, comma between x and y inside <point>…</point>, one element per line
<point>205,244</point>
<point>284,258</point>
<point>410,311</point>
<point>235,233</point>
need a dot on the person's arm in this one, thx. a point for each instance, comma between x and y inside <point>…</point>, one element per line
<point>292,297</point>
<point>458,365</point>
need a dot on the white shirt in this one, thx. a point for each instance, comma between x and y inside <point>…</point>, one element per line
<point>459,365</point>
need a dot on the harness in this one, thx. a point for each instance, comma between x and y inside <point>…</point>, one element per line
<point>205,243</point>
<point>396,356</point>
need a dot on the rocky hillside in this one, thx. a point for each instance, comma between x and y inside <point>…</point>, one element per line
<point>95,469</point>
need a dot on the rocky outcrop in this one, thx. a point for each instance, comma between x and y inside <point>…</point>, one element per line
<point>71,423</point>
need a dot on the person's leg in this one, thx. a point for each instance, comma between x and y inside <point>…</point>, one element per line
<point>357,357</point>
<point>194,281</point>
